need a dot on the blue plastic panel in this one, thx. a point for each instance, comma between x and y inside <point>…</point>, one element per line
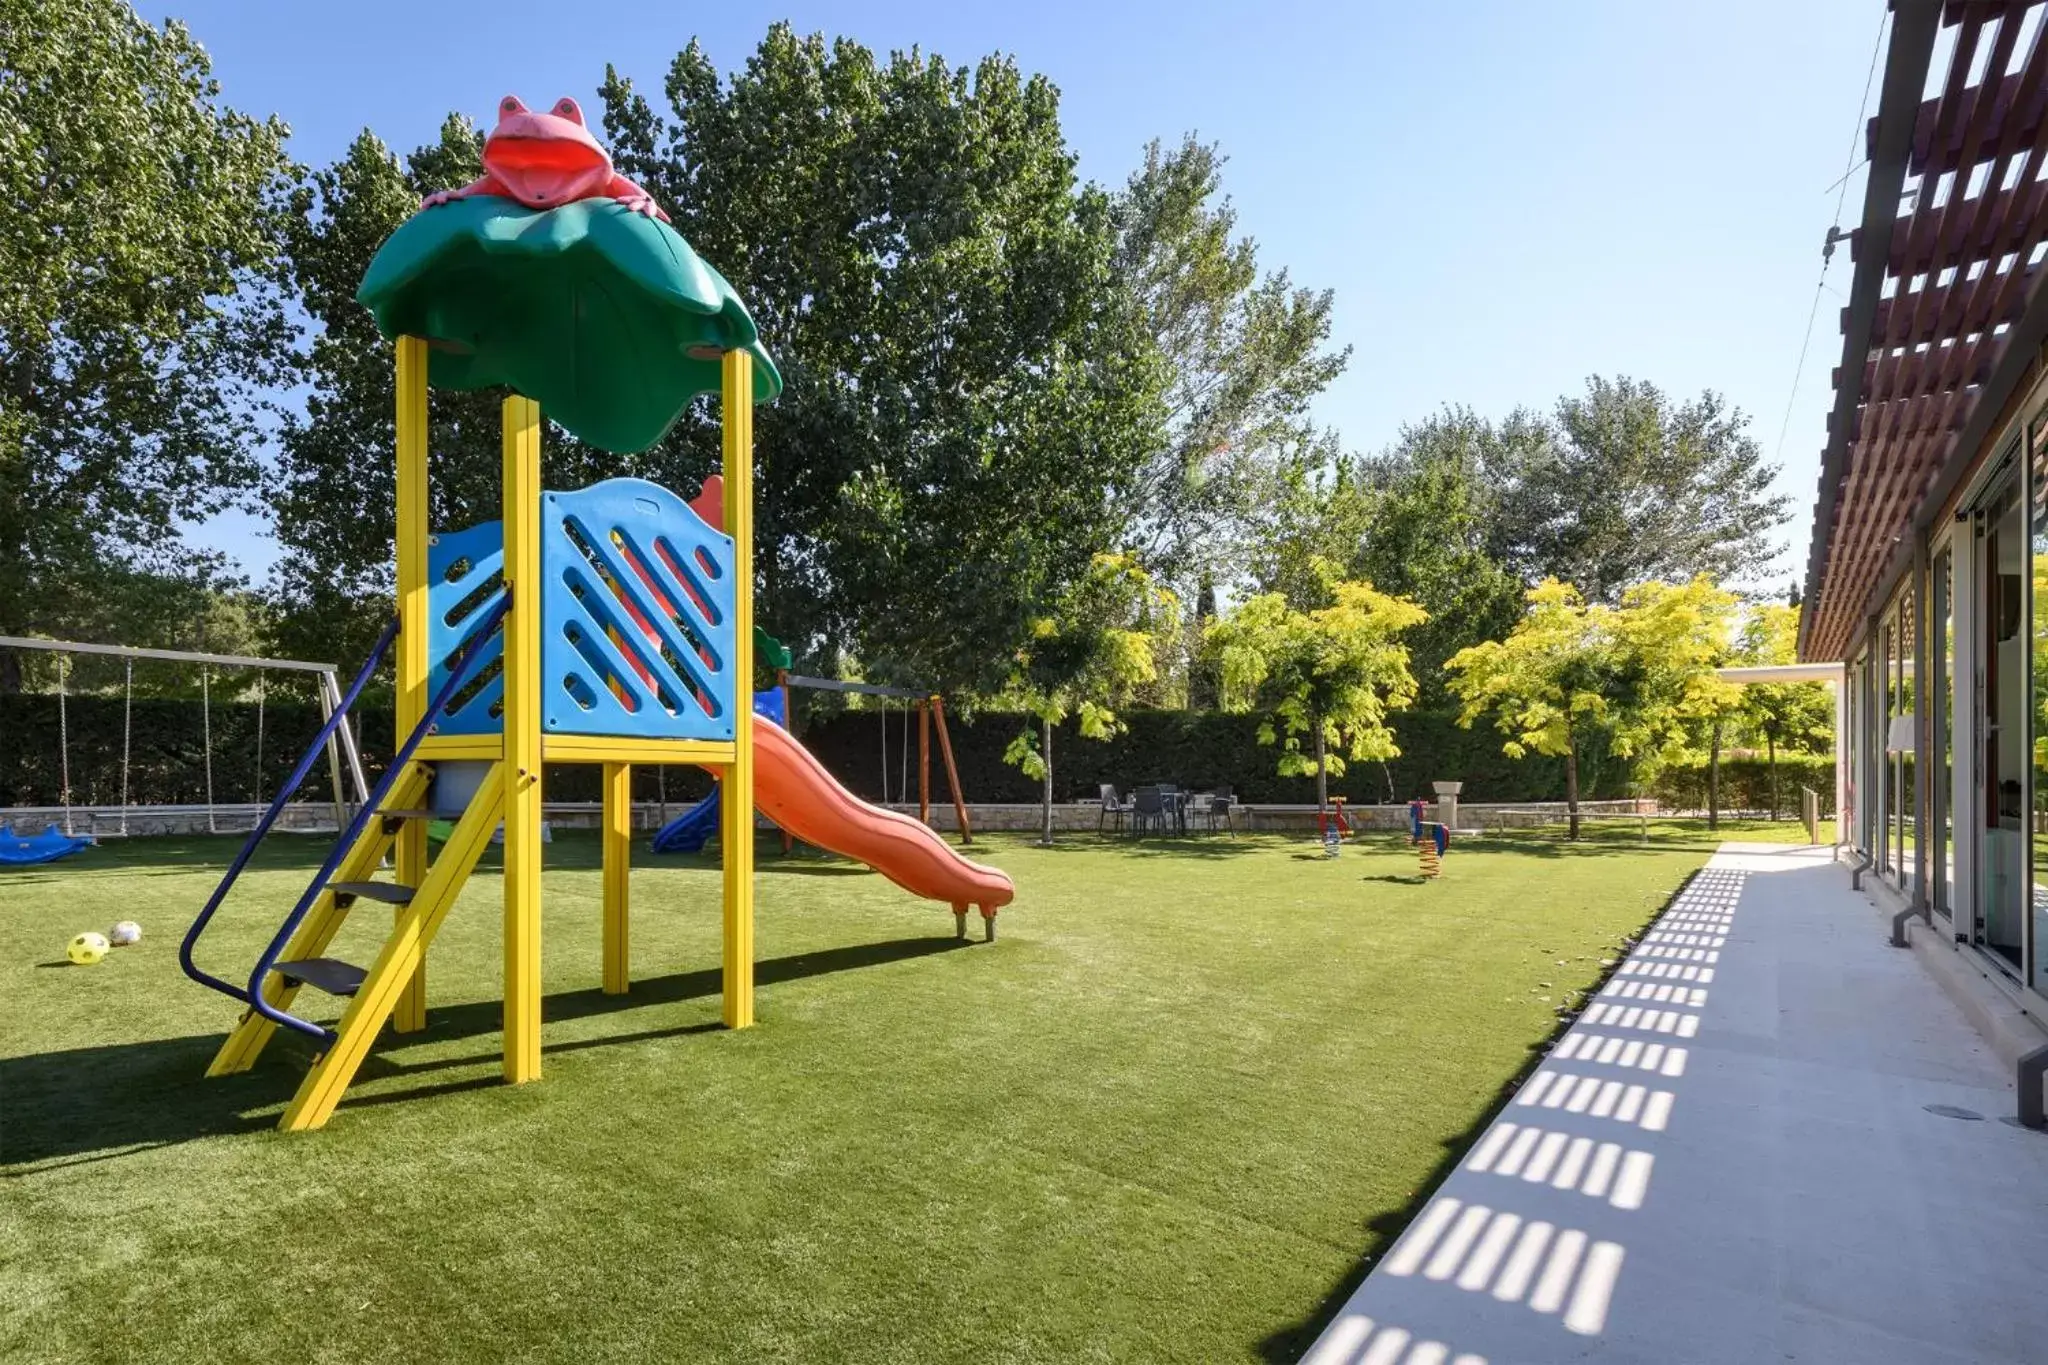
<point>465,579</point>
<point>636,614</point>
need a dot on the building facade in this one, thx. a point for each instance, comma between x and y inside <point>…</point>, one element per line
<point>1928,573</point>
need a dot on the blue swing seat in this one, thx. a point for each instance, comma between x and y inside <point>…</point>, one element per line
<point>53,843</point>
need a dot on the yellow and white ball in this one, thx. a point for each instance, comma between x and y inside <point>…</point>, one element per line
<point>88,948</point>
<point>125,933</point>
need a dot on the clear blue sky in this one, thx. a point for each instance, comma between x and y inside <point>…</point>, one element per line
<point>1506,197</point>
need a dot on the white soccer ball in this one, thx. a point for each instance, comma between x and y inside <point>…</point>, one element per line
<point>125,933</point>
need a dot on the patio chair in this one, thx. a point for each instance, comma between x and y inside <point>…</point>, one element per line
<point>1111,805</point>
<point>1147,807</point>
<point>1222,804</point>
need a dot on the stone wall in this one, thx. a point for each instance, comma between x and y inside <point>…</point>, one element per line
<point>307,817</point>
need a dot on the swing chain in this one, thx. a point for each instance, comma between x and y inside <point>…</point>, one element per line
<point>206,733</point>
<point>262,694</point>
<point>63,747</point>
<point>127,732</point>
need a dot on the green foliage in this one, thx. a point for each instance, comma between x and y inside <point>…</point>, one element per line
<point>141,332</point>
<point>1314,511</point>
<point>1328,675</point>
<point>1795,717</point>
<point>1624,486</point>
<point>1748,783</point>
<point>969,392</point>
<point>1634,676</point>
<point>1429,520</point>
<point>1245,356</point>
<point>188,611</point>
<point>1673,637</point>
<point>332,490</point>
<point>1086,658</point>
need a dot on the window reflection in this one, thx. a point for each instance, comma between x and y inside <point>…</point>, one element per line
<point>2037,696</point>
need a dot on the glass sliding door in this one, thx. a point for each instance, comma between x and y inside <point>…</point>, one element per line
<point>1849,819</point>
<point>1905,788</point>
<point>1941,694</point>
<point>1869,736</point>
<point>1881,732</point>
<point>2037,700</point>
<point>2002,552</point>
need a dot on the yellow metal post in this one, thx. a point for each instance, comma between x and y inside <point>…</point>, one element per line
<point>410,854</point>
<point>618,861</point>
<point>522,740</point>
<point>737,799</point>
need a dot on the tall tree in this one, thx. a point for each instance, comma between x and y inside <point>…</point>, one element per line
<point>1675,637</point>
<point>1428,534</point>
<point>969,391</point>
<point>1085,659</point>
<point>1635,487</point>
<point>1571,673</point>
<point>140,324</point>
<point>1325,677</point>
<point>1314,510</point>
<point>1246,355</point>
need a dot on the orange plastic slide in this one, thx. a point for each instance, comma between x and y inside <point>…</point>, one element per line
<point>793,789</point>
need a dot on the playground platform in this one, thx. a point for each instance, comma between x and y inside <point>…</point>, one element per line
<point>1770,1137</point>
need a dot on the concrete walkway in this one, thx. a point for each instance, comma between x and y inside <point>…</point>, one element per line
<point>1770,1138</point>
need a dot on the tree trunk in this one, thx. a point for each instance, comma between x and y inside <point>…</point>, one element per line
<point>1571,788</point>
<point>1045,806</point>
<point>1771,747</point>
<point>1322,775</point>
<point>1714,779</point>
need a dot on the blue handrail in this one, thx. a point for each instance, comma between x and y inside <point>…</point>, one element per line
<point>457,677</point>
<point>277,804</point>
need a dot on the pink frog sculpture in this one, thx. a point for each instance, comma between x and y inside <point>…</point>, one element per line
<point>547,160</point>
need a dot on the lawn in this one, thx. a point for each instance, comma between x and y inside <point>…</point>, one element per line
<point>1178,1106</point>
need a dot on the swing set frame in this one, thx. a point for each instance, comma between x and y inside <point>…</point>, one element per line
<point>344,756</point>
<point>930,708</point>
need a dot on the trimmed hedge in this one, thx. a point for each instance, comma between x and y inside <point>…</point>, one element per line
<point>1199,749</point>
<point>1746,784</point>
<point>1191,748</point>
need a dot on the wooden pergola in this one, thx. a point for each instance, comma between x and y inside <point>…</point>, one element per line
<point>1945,313</point>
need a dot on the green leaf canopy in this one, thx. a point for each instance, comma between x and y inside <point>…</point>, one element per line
<point>603,316</point>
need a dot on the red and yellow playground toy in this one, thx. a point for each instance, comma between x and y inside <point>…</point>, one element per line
<point>611,624</point>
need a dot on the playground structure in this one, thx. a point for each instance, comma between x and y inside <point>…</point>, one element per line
<point>610,625</point>
<point>1432,838</point>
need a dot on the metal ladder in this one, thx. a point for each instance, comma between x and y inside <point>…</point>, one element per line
<point>332,975</point>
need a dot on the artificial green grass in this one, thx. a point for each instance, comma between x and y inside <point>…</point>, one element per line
<point>1172,1113</point>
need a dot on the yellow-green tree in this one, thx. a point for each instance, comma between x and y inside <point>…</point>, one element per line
<point>1676,637</point>
<point>1326,677</point>
<point>1085,659</point>
<point>1639,675</point>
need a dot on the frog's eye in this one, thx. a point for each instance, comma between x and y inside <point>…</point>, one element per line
<point>511,105</point>
<point>568,109</point>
